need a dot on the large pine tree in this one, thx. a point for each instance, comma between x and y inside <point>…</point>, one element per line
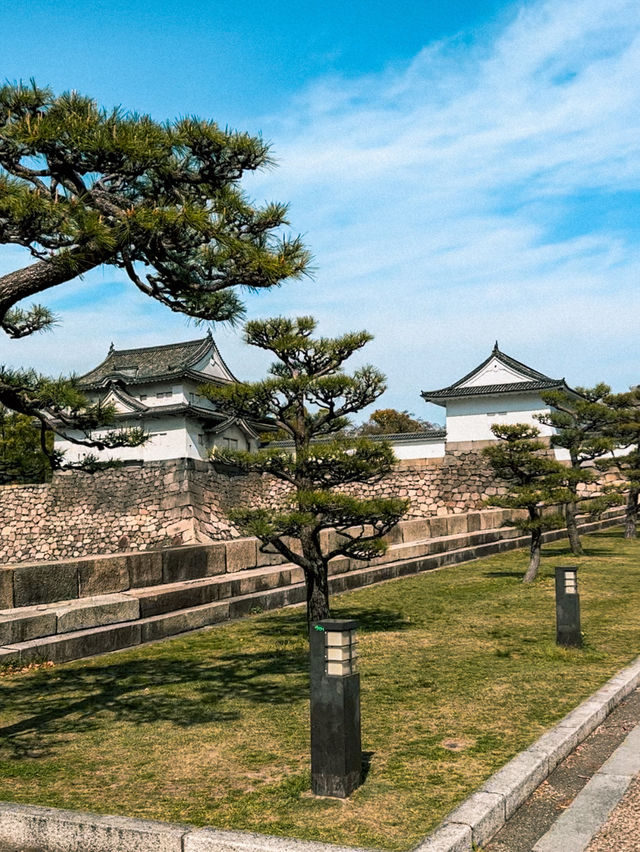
<point>309,398</point>
<point>581,422</point>
<point>624,430</point>
<point>82,186</point>
<point>536,482</point>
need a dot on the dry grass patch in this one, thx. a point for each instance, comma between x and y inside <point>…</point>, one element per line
<point>459,672</point>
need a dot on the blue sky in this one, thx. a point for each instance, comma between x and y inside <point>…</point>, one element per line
<point>462,172</point>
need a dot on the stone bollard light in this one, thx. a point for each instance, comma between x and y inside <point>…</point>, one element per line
<point>568,631</point>
<point>336,752</point>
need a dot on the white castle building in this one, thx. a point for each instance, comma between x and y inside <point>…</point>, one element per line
<point>500,390</point>
<point>158,388</point>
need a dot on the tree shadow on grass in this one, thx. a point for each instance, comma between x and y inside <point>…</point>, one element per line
<point>184,688</point>
<point>58,703</point>
<point>291,624</point>
<point>517,574</point>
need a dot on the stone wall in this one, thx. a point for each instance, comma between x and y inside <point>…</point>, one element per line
<point>159,504</point>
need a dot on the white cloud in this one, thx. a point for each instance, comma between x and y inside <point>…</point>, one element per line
<point>461,198</point>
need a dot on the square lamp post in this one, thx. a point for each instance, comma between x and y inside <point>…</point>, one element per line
<point>336,751</point>
<point>568,632</point>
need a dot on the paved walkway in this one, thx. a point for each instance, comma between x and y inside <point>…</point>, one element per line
<point>591,802</point>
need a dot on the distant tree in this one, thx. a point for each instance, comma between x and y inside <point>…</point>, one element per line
<point>624,430</point>
<point>82,186</point>
<point>24,450</point>
<point>390,421</point>
<point>581,424</point>
<point>56,406</point>
<point>536,482</point>
<point>308,396</point>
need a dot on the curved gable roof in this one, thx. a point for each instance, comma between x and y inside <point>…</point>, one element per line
<point>153,363</point>
<point>531,380</point>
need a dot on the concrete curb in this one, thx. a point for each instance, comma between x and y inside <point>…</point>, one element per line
<point>472,823</point>
<point>484,813</point>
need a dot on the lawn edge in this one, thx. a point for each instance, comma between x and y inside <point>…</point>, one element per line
<point>470,824</point>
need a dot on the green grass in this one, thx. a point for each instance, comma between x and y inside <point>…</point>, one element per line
<point>459,670</point>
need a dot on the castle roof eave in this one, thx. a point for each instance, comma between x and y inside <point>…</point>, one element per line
<point>440,397</point>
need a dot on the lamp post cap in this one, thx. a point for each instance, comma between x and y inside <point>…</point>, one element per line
<point>337,624</point>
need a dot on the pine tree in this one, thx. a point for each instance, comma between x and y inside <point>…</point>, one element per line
<point>309,398</point>
<point>24,451</point>
<point>580,421</point>
<point>624,431</point>
<point>536,483</point>
<point>82,186</point>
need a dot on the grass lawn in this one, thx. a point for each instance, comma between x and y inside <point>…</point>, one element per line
<point>459,670</point>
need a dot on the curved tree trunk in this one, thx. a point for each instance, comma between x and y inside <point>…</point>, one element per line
<point>534,556</point>
<point>316,576</point>
<point>631,516</point>
<point>317,594</point>
<point>572,529</point>
<point>44,274</point>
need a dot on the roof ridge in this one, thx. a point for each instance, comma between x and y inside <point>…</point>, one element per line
<point>199,341</point>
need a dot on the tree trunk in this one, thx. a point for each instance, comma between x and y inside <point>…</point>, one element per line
<point>534,556</point>
<point>572,529</point>
<point>317,595</point>
<point>316,575</point>
<point>631,517</point>
<point>45,274</point>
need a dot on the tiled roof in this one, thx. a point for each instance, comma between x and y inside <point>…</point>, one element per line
<point>133,366</point>
<point>506,387</point>
<point>537,381</point>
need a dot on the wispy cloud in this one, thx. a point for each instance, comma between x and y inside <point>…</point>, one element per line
<point>466,196</point>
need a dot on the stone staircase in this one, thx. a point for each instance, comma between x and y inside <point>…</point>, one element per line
<point>84,626</point>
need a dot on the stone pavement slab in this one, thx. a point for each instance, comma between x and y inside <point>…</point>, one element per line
<point>575,828</point>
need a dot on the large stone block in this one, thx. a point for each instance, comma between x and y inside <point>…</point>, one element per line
<point>145,568</point>
<point>484,813</point>
<point>184,597</point>
<point>451,837</point>
<point>29,826</point>
<point>457,525</point>
<point>102,576</point>
<point>491,519</point>
<point>184,563</point>
<point>6,588</point>
<point>96,612</point>
<point>84,643</point>
<point>216,559</point>
<point>172,623</point>
<point>20,626</point>
<point>394,536</point>
<point>438,527</point>
<point>214,840</point>
<point>474,520</point>
<point>415,530</point>
<point>518,779</point>
<point>270,558</point>
<point>339,565</point>
<point>45,583</point>
<point>241,554</point>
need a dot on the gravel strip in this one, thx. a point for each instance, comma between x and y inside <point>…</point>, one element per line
<point>621,832</point>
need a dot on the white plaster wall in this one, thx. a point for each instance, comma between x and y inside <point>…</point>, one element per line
<point>495,373</point>
<point>168,440</point>
<point>433,449</point>
<point>471,419</point>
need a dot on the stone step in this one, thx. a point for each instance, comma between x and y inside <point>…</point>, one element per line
<point>33,622</point>
<point>78,644</point>
<point>85,627</point>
